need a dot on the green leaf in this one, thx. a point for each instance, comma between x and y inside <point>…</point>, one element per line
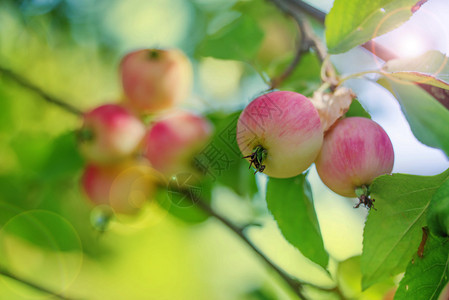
<point>393,231</point>
<point>427,117</point>
<point>438,214</point>
<point>350,278</point>
<point>45,229</point>
<point>425,277</point>
<point>239,40</point>
<point>352,23</point>
<point>356,110</point>
<point>31,150</point>
<point>304,79</point>
<point>291,204</point>
<point>64,159</point>
<point>227,166</point>
<point>181,206</point>
<point>7,121</point>
<point>430,68</point>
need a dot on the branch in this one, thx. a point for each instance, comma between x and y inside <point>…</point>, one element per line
<point>53,100</point>
<point>8,274</point>
<point>295,285</point>
<point>307,39</point>
<point>440,94</point>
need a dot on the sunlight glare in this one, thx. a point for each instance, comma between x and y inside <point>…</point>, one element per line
<point>410,45</point>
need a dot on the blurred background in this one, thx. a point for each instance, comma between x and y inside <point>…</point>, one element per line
<point>71,49</point>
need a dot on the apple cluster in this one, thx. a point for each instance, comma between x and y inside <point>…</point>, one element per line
<point>282,135</point>
<point>127,158</point>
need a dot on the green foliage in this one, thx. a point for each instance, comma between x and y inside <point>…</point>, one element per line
<point>356,110</point>
<point>68,46</point>
<point>304,79</point>
<point>430,68</point>
<point>426,116</point>
<point>393,231</point>
<point>180,205</point>
<point>45,229</point>
<point>426,276</point>
<point>57,165</point>
<point>352,23</point>
<point>31,149</point>
<point>232,42</point>
<point>291,204</point>
<point>350,281</point>
<point>229,168</point>
<point>438,214</point>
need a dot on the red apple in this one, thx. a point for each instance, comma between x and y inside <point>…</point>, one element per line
<point>281,133</point>
<point>172,142</point>
<point>155,79</point>
<point>124,187</point>
<point>109,134</point>
<point>355,151</point>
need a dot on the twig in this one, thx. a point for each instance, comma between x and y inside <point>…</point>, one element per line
<point>8,274</point>
<point>307,39</point>
<point>310,10</point>
<point>53,100</point>
<point>440,94</point>
<point>295,285</point>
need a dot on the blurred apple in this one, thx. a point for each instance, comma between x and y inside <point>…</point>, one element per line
<point>154,79</point>
<point>124,187</point>
<point>110,133</point>
<point>172,142</point>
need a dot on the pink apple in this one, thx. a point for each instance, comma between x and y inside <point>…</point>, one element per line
<point>109,134</point>
<point>281,133</point>
<point>172,142</point>
<point>124,187</point>
<point>155,79</point>
<point>355,151</point>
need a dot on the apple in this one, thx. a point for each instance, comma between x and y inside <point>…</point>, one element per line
<point>125,187</point>
<point>110,133</point>
<point>355,151</point>
<point>155,79</point>
<point>281,133</point>
<point>172,142</point>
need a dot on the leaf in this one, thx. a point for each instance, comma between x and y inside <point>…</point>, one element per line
<point>356,110</point>
<point>352,23</point>
<point>350,277</point>
<point>45,229</point>
<point>393,231</point>
<point>425,277</point>
<point>64,159</point>
<point>431,68</point>
<point>239,40</point>
<point>227,168</point>
<point>304,79</point>
<point>181,206</point>
<point>438,214</point>
<point>291,204</point>
<point>427,117</point>
<point>31,150</point>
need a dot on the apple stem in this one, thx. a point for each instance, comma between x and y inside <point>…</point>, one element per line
<point>85,135</point>
<point>257,157</point>
<point>153,54</point>
<point>362,192</point>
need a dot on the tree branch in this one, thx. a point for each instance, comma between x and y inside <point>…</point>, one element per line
<point>8,274</point>
<point>440,94</point>
<point>307,39</point>
<point>294,284</point>
<point>53,100</point>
